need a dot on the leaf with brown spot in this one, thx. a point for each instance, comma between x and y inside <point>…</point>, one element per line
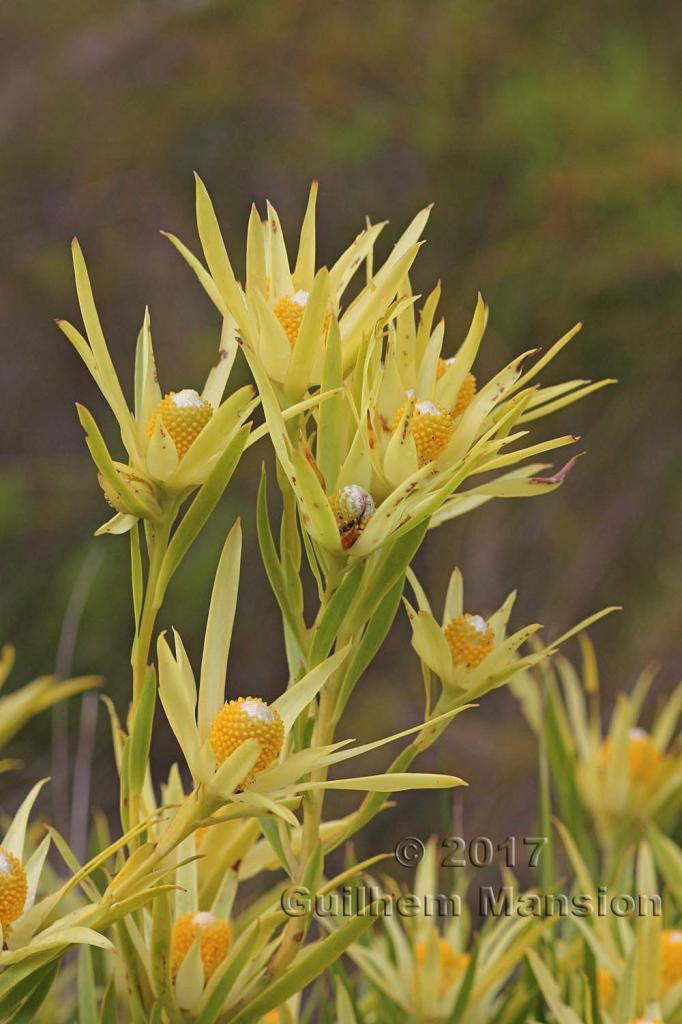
<point>560,475</point>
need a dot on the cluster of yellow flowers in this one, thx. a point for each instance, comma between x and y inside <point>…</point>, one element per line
<point>381,431</point>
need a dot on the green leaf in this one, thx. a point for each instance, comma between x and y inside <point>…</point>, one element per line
<point>205,279</point>
<point>87,999</point>
<point>668,860</point>
<point>291,703</point>
<point>160,950</point>
<point>147,390</point>
<point>310,335</point>
<point>141,733</point>
<point>372,639</point>
<point>104,462</point>
<point>218,634</point>
<point>309,965</point>
<point>329,416</point>
<point>16,833</point>
<point>550,990</point>
<point>390,567</point>
<point>334,614</point>
<point>270,830</point>
<point>136,574</point>
<point>108,1013</point>
<point>304,272</point>
<point>106,374</point>
<point>456,1017</point>
<point>217,258</point>
<point>273,566</point>
<point>199,511</point>
<point>234,964</point>
<point>28,1011</point>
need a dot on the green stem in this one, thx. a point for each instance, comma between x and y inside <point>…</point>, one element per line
<point>313,802</point>
<point>158,535</point>
<point>157,544</point>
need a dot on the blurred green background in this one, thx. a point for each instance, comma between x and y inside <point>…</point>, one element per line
<point>548,137</point>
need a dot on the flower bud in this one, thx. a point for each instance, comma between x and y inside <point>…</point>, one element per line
<point>243,719</point>
<point>289,311</point>
<point>13,888</point>
<point>431,427</point>
<point>352,506</point>
<point>470,639</point>
<point>214,941</point>
<point>140,487</point>
<point>184,415</point>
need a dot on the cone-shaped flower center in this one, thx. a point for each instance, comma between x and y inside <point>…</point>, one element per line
<point>214,940</point>
<point>184,414</point>
<point>644,757</point>
<point>671,958</point>
<point>352,506</point>
<point>466,391</point>
<point>452,964</point>
<point>470,639</point>
<point>431,427</point>
<point>13,888</point>
<point>606,987</point>
<point>244,719</point>
<point>289,310</point>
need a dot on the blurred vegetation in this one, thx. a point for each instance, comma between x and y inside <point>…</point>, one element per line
<point>548,137</point>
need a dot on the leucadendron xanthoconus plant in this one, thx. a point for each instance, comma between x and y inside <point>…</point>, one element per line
<point>381,430</point>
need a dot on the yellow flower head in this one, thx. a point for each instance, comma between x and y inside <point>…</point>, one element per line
<point>606,987</point>
<point>452,964</point>
<point>289,311</point>
<point>644,757</point>
<point>13,888</point>
<point>272,1017</point>
<point>184,415</point>
<point>671,958</point>
<point>352,506</point>
<point>470,639</point>
<point>431,427</point>
<point>243,719</point>
<point>214,940</point>
<point>465,393</point>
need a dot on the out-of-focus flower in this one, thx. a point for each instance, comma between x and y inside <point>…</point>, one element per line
<point>20,706</point>
<point>628,779</point>
<point>671,959</point>
<point>637,964</point>
<point>424,972</point>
